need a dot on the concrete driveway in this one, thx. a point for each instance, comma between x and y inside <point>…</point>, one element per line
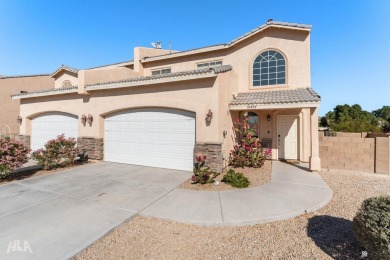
<point>56,216</point>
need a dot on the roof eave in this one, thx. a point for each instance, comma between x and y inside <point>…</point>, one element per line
<point>43,94</point>
<point>149,82</point>
<point>253,106</point>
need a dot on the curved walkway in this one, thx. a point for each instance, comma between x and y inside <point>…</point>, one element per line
<point>292,191</point>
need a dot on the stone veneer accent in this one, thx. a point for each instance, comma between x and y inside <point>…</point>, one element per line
<point>92,146</point>
<point>24,139</point>
<point>213,151</point>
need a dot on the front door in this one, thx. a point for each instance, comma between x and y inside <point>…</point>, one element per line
<point>288,137</point>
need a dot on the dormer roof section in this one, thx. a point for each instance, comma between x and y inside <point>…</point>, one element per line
<point>64,68</point>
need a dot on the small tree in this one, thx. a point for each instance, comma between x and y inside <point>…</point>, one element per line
<point>58,152</point>
<point>13,154</point>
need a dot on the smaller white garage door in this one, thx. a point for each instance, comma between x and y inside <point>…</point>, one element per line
<point>49,126</point>
<point>163,138</point>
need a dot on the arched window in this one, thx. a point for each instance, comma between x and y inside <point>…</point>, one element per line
<point>269,68</point>
<point>253,120</point>
<point>66,84</point>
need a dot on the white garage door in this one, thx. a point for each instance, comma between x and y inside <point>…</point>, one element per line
<point>162,138</point>
<point>49,126</point>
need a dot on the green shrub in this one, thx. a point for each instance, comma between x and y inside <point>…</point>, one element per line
<point>202,174</point>
<point>13,154</point>
<point>236,179</point>
<point>371,226</point>
<point>58,152</point>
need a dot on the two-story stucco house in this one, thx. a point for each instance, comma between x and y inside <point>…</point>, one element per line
<point>165,106</point>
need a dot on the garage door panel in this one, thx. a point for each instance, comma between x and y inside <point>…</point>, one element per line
<point>152,137</point>
<point>49,126</point>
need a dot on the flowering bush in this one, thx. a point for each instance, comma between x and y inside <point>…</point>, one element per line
<point>58,152</point>
<point>13,154</point>
<point>248,152</point>
<point>202,175</point>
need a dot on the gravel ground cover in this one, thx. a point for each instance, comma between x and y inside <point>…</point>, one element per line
<point>257,177</point>
<point>324,234</point>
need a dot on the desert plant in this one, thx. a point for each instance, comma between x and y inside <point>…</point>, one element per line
<point>236,179</point>
<point>58,152</point>
<point>371,226</point>
<point>13,154</point>
<point>248,152</point>
<point>202,174</point>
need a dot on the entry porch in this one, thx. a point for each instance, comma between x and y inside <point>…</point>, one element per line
<point>286,122</point>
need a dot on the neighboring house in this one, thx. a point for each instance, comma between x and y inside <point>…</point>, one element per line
<point>10,108</point>
<point>167,106</point>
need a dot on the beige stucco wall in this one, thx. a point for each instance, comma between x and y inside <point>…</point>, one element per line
<point>197,96</point>
<point>108,74</point>
<point>9,108</point>
<point>293,44</point>
<point>65,75</point>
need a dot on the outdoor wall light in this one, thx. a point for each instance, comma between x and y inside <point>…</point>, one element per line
<point>209,116</point>
<point>83,119</point>
<point>19,119</point>
<point>90,119</point>
<point>268,118</point>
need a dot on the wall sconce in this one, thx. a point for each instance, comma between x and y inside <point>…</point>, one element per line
<point>268,118</point>
<point>209,116</point>
<point>19,119</point>
<point>90,119</point>
<point>83,119</point>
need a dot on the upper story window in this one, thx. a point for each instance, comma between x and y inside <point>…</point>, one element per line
<point>161,71</point>
<point>208,65</point>
<point>269,68</point>
<point>66,84</point>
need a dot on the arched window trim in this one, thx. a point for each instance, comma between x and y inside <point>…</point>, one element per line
<point>253,86</point>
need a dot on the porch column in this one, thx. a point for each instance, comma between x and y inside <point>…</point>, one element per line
<point>315,162</point>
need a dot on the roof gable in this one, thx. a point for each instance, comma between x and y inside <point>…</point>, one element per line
<point>64,68</point>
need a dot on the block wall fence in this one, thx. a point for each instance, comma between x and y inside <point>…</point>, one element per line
<point>355,151</point>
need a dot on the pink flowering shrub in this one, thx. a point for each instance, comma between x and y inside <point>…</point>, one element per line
<point>13,154</point>
<point>248,152</point>
<point>202,174</point>
<point>58,152</point>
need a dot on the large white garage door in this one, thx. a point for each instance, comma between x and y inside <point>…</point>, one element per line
<point>49,126</point>
<point>162,138</point>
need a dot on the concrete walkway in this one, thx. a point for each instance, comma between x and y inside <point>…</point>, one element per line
<point>58,215</point>
<point>292,191</point>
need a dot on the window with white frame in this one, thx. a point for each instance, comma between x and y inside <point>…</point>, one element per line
<point>161,71</point>
<point>269,68</point>
<point>208,65</point>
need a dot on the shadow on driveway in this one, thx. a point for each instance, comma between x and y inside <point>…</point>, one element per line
<point>334,236</point>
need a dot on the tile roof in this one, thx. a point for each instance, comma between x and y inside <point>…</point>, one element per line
<point>232,42</point>
<point>64,67</point>
<point>111,64</point>
<point>215,70</point>
<point>23,76</point>
<point>47,91</point>
<point>288,96</point>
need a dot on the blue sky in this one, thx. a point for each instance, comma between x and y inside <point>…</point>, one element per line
<point>350,41</point>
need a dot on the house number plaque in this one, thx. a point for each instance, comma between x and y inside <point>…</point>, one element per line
<point>251,106</point>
